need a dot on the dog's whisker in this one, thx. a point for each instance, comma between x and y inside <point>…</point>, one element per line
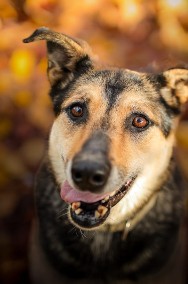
<point>64,214</point>
<point>74,230</point>
<point>110,219</point>
<point>94,234</point>
<point>62,210</point>
<point>82,234</point>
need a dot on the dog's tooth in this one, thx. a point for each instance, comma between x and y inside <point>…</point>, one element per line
<point>112,194</point>
<point>75,205</point>
<point>105,199</point>
<point>128,182</point>
<point>102,210</point>
<point>97,214</point>
<point>78,211</point>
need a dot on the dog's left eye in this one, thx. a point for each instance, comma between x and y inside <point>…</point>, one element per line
<point>140,122</point>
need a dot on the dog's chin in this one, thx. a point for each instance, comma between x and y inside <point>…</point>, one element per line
<point>89,211</point>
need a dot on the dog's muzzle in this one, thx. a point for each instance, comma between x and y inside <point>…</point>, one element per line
<point>91,215</point>
<point>89,210</point>
<point>90,204</point>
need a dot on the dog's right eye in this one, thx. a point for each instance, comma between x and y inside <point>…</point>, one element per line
<point>77,112</point>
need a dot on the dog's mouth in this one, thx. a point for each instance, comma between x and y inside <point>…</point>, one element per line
<point>88,210</point>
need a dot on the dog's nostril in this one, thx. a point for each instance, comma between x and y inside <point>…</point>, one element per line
<point>77,175</point>
<point>97,178</point>
<point>89,175</point>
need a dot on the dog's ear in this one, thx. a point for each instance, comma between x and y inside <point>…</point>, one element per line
<point>66,55</point>
<point>174,89</point>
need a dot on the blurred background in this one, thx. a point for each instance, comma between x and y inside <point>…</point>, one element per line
<point>136,34</point>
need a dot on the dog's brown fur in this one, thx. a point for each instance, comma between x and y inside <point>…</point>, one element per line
<point>112,99</point>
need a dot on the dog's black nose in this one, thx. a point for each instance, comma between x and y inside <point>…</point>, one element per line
<point>90,175</point>
<point>91,166</point>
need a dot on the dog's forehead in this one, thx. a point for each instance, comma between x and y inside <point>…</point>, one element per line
<point>112,85</point>
<point>118,82</point>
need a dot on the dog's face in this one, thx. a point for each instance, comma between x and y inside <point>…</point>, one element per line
<point>114,132</point>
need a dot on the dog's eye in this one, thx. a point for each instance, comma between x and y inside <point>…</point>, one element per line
<point>140,122</point>
<point>76,111</point>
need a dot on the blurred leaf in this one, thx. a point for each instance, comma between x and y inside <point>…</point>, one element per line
<point>5,127</point>
<point>6,10</point>
<point>43,65</point>
<point>182,134</point>
<point>12,163</point>
<point>23,98</point>
<point>32,151</point>
<point>8,202</point>
<point>22,64</point>
<point>19,7</point>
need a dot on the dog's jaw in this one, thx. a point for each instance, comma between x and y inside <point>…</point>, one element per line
<point>94,212</point>
<point>145,187</point>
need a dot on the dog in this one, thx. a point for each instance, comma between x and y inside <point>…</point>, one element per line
<point>109,195</point>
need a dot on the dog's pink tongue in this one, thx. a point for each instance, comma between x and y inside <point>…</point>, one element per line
<point>70,195</point>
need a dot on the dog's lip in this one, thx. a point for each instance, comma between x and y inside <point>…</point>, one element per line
<point>90,215</point>
<point>70,194</point>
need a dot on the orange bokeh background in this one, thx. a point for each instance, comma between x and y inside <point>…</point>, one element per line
<point>136,34</point>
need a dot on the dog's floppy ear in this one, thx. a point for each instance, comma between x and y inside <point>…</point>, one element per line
<point>65,55</point>
<point>175,87</point>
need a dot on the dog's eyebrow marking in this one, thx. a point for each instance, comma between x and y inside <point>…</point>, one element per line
<point>118,81</point>
<point>114,86</point>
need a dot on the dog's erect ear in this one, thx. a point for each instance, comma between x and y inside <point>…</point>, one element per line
<point>65,55</point>
<point>175,87</point>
